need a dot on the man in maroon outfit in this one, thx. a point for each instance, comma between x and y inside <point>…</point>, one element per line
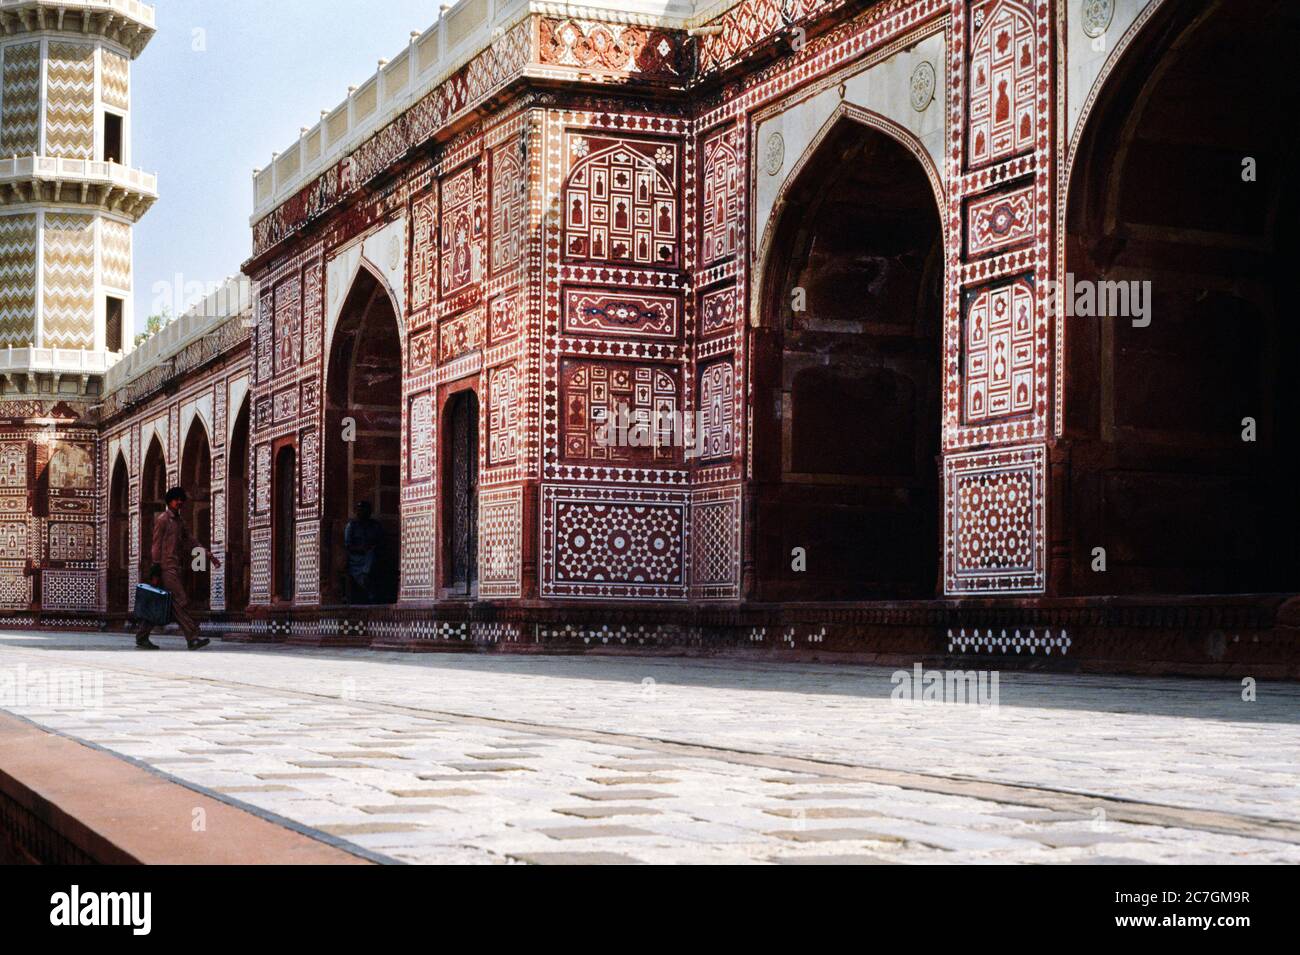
<point>173,543</point>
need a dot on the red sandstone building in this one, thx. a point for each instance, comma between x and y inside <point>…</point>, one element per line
<point>823,234</point>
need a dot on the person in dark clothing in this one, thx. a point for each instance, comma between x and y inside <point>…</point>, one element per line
<point>361,539</point>
<point>172,544</point>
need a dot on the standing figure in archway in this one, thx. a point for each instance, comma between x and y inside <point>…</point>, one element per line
<point>361,539</point>
<point>172,542</point>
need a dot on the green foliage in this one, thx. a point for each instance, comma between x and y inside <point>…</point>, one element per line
<point>154,324</point>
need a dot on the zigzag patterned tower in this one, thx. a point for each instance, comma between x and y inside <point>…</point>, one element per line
<point>68,195</point>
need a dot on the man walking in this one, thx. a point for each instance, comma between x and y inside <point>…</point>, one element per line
<point>172,543</point>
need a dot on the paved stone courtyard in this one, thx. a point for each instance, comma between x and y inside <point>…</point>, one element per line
<point>440,758</point>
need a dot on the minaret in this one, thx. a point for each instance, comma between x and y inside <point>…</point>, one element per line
<point>69,195</point>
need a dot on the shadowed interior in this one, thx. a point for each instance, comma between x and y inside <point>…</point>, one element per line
<point>1158,472</point>
<point>847,397</point>
<point>196,478</point>
<point>362,459</point>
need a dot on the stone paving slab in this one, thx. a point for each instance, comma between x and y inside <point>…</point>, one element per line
<point>496,759</point>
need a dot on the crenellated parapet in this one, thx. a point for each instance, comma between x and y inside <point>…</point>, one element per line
<point>481,51</point>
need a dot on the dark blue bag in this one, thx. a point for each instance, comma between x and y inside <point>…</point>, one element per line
<point>153,605</point>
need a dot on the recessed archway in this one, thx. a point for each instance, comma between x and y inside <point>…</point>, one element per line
<point>196,478</point>
<point>284,550</point>
<point>362,437</point>
<point>848,379</point>
<point>460,495</point>
<point>119,538</point>
<point>236,560</point>
<point>1183,194</point>
<point>153,492</point>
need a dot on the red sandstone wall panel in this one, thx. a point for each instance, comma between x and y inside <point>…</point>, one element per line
<point>994,521</point>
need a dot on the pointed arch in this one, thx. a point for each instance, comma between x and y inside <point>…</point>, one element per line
<point>196,478</point>
<point>459,493</point>
<point>365,279</point>
<point>153,489</point>
<point>846,113</point>
<point>847,371</point>
<point>362,436</point>
<point>1158,395</point>
<point>119,534</point>
<point>238,468</point>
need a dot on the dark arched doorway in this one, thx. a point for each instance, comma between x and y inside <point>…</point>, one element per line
<point>236,560</point>
<point>153,491</point>
<point>283,566</point>
<point>847,374</point>
<point>460,495</point>
<point>196,478</point>
<point>119,538</point>
<point>363,434</point>
<point>1184,178</point>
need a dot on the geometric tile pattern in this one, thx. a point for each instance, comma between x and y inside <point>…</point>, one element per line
<point>262,479</point>
<point>420,431</point>
<point>506,317</point>
<point>70,100</point>
<point>614,542</point>
<point>621,200</point>
<point>994,520</point>
<point>1000,220</point>
<point>717,404</point>
<point>500,529</point>
<point>1003,81</point>
<point>19,115</point>
<point>15,590</point>
<point>313,279</point>
<point>601,400</point>
<point>17,279</point>
<point>417,551</point>
<point>462,229</point>
<point>259,551</point>
<point>115,253</point>
<point>69,589</point>
<point>309,441</point>
<point>306,569</point>
<point>115,72</point>
<point>718,311</point>
<point>287,330</point>
<point>503,415</point>
<point>13,464</point>
<point>999,351</point>
<point>723,180</point>
<point>264,340</point>
<point>424,246</point>
<point>639,316</point>
<point>509,206</point>
<point>609,47</point>
<point>715,535</point>
<point>461,334</point>
<point>69,295</point>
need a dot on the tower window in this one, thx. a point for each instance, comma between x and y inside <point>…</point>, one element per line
<point>112,138</point>
<point>112,323</point>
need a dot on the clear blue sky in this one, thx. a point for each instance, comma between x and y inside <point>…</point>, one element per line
<point>203,119</point>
